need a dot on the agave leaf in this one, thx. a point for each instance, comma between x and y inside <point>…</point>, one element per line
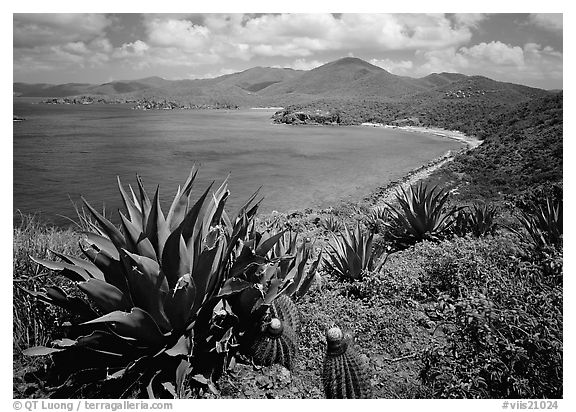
<point>102,244</point>
<point>182,372</point>
<point>72,272</point>
<point>175,258</point>
<point>108,343</point>
<point>106,296</point>
<point>113,270</point>
<point>178,303</point>
<point>136,324</point>
<point>182,348</point>
<point>244,208</point>
<point>232,286</point>
<point>212,206</point>
<point>157,230</point>
<point>264,247</point>
<point>111,231</point>
<point>304,286</point>
<point>64,343</point>
<point>145,203</point>
<point>133,211</point>
<point>188,225</point>
<point>89,267</point>
<point>40,351</point>
<point>56,296</point>
<point>179,206</point>
<point>215,281</point>
<point>202,273</point>
<point>148,287</point>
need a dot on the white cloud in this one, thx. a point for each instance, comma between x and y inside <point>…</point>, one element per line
<point>532,62</point>
<point>181,34</point>
<point>400,67</point>
<point>212,75</point>
<point>469,19</point>
<point>302,64</point>
<point>549,21</point>
<point>300,35</point>
<point>33,30</point>
<point>495,52</point>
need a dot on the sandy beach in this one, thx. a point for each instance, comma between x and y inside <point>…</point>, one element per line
<point>470,141</point>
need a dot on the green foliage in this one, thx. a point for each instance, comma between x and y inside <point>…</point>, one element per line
<point>376,219</point>
<point>332,224</point>
<point>351,254</point>
<point>34,323</point>
<point>522,152</point>
<point>501,319</point>
<point>478,220</point>
<point>420,216</point>
<point>544,224</point>
<point>161,293</point>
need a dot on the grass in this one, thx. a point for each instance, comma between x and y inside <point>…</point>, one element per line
<point>35,323</point>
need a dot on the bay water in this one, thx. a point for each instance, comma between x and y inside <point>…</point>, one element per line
<point>63,151</point>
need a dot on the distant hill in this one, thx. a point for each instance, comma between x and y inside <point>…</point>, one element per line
<point>347,81</point>
<point>348,77</point>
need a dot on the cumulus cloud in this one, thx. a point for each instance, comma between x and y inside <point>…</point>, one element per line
<point>302,64</point>
<point>34,30</point>
<point>469,19</point>
<point>495,52</point>
<point>400,67</point>
<point>301,35</point>
<point>548,21</point>
<point>531,62</point>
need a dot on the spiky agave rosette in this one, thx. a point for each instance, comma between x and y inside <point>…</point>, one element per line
<point>345,375</point>
<point>167,296</point>
<point>152,287</point>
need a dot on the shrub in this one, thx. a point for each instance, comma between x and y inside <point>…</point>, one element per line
<point>478,220</point>
<point>501,318</point>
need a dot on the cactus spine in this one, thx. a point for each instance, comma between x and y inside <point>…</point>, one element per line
<point>345,374</point>
<point>286,310</point>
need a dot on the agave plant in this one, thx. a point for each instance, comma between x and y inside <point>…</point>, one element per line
<point>351,254</point>
<point>158,292</point>
<point>420,216</point>
<point>544,225</point>
<point>374,220</point>
<point>332,224</point>
<point>479,220</point>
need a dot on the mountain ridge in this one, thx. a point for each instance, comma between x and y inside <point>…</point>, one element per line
<point>347,78</point>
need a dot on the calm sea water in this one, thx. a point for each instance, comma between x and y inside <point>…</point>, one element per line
<point>64,151</point>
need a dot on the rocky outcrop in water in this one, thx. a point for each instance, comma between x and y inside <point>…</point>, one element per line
<point>306,117</point>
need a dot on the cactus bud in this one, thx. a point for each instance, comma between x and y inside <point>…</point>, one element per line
<point>345,374</point>
<point>277,344</point>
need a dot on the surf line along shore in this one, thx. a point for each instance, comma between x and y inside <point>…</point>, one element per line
<point>387,194</point>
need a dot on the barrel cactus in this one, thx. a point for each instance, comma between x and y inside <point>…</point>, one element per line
<point>276,344</point>
<point>345,375</point>
<point>286,310</point>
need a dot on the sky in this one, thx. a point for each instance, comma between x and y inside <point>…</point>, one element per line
<point>99,48</point>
